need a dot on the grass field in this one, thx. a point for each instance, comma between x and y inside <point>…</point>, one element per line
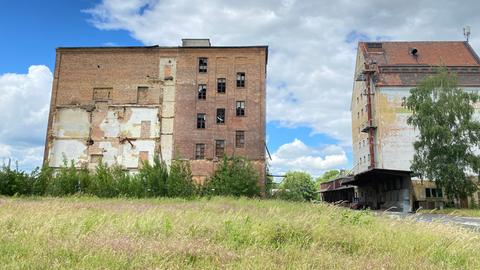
<point>455,212</point>
<point>226,233</point>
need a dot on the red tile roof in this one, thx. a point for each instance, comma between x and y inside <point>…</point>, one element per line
<point>432,53</point>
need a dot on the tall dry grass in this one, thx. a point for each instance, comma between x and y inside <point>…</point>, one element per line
<point>222,233</point>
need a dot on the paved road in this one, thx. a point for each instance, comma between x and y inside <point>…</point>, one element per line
<point>468,222</point>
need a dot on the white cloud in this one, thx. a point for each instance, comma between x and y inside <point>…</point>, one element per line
<point>311,63</point>
<point>312,46</point>
<point>24,105</point>
<point>298,156</point>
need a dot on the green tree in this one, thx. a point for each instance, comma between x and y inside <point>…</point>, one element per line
<point>154,177</point>
<point>179,181</point>
<point>236,177</point>
<point>448,133</point>
<point>297,186</point>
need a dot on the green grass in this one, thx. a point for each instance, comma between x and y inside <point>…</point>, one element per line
<point>221,233</point>
<point>454,212</point>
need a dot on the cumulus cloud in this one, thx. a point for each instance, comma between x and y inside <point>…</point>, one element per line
<point>312,47</point>
<point>24,105</point>
<point>312,43</point>
<point>299,156</point>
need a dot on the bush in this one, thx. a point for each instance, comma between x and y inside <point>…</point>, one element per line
<point>64,182</point>
<point>179,182</point>
<point>297,186</point>
<point>14,182</point>
<point>235,177</point>
<point>103,183</point>
<point>154,178</point>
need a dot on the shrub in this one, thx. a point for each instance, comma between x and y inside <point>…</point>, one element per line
<point>64,182</point>
<point>235,177</point>
<point>103,183</point>
<point>153,178</point>
<point>41,178</point>
<point>14,182</point>
<point>297,186</point>
<point>179,182</point>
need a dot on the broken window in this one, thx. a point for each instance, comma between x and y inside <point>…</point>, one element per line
<point>202,91</point>
<point>202,64</point>
<point>200,151</point>
<point>239,138</point>
<point>240,79</point>
<point>240,108</point>
<point>221,116</point>
<point>201,120</point>
<point>219,148</point>
<point>427,193</point>
<point>221,85</point>
<point>102,94</point>
<point>142,95</point>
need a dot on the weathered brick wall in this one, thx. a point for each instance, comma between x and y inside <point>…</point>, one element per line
<point>222,63</point>
<point>117,73</point>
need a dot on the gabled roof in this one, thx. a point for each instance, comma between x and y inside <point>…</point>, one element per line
<point>431,53</point>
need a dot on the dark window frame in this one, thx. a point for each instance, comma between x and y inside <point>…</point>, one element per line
<point>239,139</point>
<point>219,148</point>
<point>218,120</point>
<point>202,65</point>
<point>202,92</point>
<point>221,85</point>
<point>200,151</point>
<point>241,80</point>
<point>201,120</point>
<point>239,110</point>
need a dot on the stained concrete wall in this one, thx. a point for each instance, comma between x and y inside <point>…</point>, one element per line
<point>395,137</point>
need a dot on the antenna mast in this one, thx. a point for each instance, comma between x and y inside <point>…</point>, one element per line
<point>466,32</point>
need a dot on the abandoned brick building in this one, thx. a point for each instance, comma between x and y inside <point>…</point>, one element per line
<point>382,140</point>
<point>124,105</point>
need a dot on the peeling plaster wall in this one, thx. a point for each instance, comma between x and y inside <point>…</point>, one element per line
<point>394,136</point>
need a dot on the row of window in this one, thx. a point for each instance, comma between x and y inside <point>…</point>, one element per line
<point>364,159</point>
<point>203,68</point>
<point>220,117</point>
<point>221,85</point>
<point>362,110</point>
<point>362,143</point>
<point>433,193</point>
<point>220,146</point>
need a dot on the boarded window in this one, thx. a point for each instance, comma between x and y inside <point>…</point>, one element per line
<point>145,129</point>
<point>240,79</point>
<point>142,158</point>
<point>102,94</point>
<point>240,108</point>
<point>219,148</point>
<point>240,139</point>
<point>200,151</point>
<point>202,91</point>
<point>202,64</point>
<point>142,95</point>
<point>221,85</point>
<point>201,120</point>
<point>221,116</point>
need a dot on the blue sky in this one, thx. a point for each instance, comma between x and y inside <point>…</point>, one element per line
<point>311,59</point>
